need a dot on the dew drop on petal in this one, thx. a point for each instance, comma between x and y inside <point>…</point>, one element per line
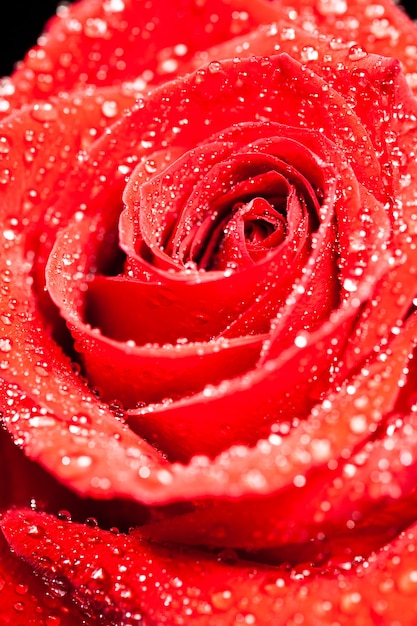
<point>39,61</point>
<point>44,112</point>
<point>356,53</point>
<point>358,424</point>
<point>41,368</point>
<point>150,166</point>
<point>214,67</point>
<point>407,582</point>
<point>76,464</point>
<point>35,531</point>
<point>309,53</point>
<point>350,602</point>
<point>5,176</point>
<point>64,515</point>
<point>168,66</point>
<point>5,145</point>
<point>301,341</point>
<point>41,421</point>
<point>95,27</point>
<point>21,589</point>
<point>332,7</point>
<point>5,345</point>
<point>114,6</point>
<point>109,108</point>
<point>350,285</point>
<point>287,34</point>
<point>58,587</point>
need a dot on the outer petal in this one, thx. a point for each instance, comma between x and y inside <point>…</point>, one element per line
<point>123,579</point>
<point>25,600</point>
<point>104,43</point>
<point>383,28</point>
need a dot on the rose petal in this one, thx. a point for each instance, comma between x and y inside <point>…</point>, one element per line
<point>310,472</point>
<point>119,578</point>
<point>25,600</point>
<point>128,43</point>
<point>383,29</point>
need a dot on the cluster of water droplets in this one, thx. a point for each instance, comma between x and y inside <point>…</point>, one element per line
<point>243,470</point>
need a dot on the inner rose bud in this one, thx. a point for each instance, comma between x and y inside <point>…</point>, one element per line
<point>217,209</point>
<point>215,239</point>
<point>232,256</point>
<point>256,195</point>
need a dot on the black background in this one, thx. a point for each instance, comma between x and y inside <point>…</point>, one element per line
<point>26,19</point>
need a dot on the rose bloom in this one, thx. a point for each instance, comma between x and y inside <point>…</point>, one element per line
<point>208,293</point>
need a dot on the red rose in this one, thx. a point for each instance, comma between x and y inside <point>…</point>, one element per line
<point>208,316</point>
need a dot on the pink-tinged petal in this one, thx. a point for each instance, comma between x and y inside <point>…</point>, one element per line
<point>121,578</point>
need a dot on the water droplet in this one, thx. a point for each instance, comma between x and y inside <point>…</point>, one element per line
<point>358,424</point>
<point>301,341</point>
<point>5,145</point>
<point>5,176</point>
<point>88,135</point>
<point>58,587</point>
<point>41,368</point>
<point>407,582</point>
<point>150,166</point>
<point>4,105</point>
<point>168,66</point>
<point>39,61</point>
<point>200,76</point>
<point>5,345</point>
<point>9,234</point>
<point>332,7</point>
<point>109,108</point>
<point>81,419</point>
<point>64,515</point>
<point>356,53</point>
<point>350,285</point>
<point>76,464</point>
<point>21,589</point>
<point>35,531</point>
<point>114,6</point>
<point>41,421</point>
<point>309,53</point>
<point>214,67</point>
<point>383,29</point>
<point>95,27</point>
<point>222,600</point>
<point>44,112</point>
<point>350,601</point>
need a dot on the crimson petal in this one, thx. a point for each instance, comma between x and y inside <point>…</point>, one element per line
<point>122,578</point>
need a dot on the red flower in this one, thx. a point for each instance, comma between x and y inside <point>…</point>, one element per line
<point>208,316</point>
